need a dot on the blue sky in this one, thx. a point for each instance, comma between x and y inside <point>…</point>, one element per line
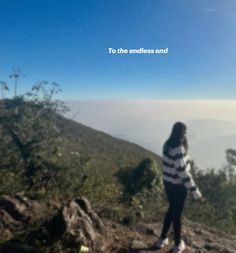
<point>67,41</point>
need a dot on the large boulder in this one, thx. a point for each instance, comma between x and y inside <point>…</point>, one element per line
<point>20,208</point>
<point>77,224</point>
<point>15,214</point>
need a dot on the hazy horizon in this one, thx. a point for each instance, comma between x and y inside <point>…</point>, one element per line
<point>211,124</point>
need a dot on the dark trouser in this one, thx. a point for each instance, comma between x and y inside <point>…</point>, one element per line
<point>176,196</point>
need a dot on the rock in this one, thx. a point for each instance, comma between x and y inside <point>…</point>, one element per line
<point>15,214</point>
<point>219,248</point>
<point>149,229</point>
<point>138,246</point>
<point>6,234</point>
<point>14,207</point>
<point>10,247</point>
<point>19,208</point>
<point>78,225</point>
<point>8,225</point>
<point>7,221</point>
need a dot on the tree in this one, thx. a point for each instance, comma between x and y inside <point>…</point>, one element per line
<point>145,176</point>
<point>16,73</point>
<point>219,189</point>
<point>4,87</point>
<point>30,139</point>
<point>231,163</point>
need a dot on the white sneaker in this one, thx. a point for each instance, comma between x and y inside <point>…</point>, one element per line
<point>161,243</point>
<point>180,248</point>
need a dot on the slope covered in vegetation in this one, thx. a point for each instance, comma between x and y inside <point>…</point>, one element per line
<point>50,159</point>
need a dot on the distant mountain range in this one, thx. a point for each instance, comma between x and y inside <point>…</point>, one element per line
<point>149,125</point>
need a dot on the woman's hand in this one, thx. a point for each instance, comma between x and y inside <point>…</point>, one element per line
<point>197,194</point>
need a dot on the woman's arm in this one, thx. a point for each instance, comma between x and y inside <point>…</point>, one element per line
<point>182,167</point>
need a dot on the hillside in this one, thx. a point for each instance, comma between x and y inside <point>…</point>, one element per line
<point>49,164</point>
<point>61,159</point>
<point>106,151</point>
<point>107,157</point>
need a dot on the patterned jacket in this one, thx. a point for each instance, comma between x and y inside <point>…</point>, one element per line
<point>176,165</point>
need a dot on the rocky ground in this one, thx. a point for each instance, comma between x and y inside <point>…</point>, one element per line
<point>24,227</point>
<point>197,238</point>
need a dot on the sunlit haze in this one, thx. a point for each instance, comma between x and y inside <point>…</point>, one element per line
<point>211,124</point>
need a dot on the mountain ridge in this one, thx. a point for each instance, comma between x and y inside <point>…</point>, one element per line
<point>119,184</point>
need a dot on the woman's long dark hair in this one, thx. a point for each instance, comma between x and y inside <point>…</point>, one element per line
<point>176,138</point>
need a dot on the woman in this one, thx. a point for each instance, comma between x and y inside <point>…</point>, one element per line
<point>177,182</point>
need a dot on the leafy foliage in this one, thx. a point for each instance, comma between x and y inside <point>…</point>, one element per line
<point>142,188</point>
<point>145,176</point>
<point>4,88</point>
<point>30,141</point>
<point>219,189</point>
